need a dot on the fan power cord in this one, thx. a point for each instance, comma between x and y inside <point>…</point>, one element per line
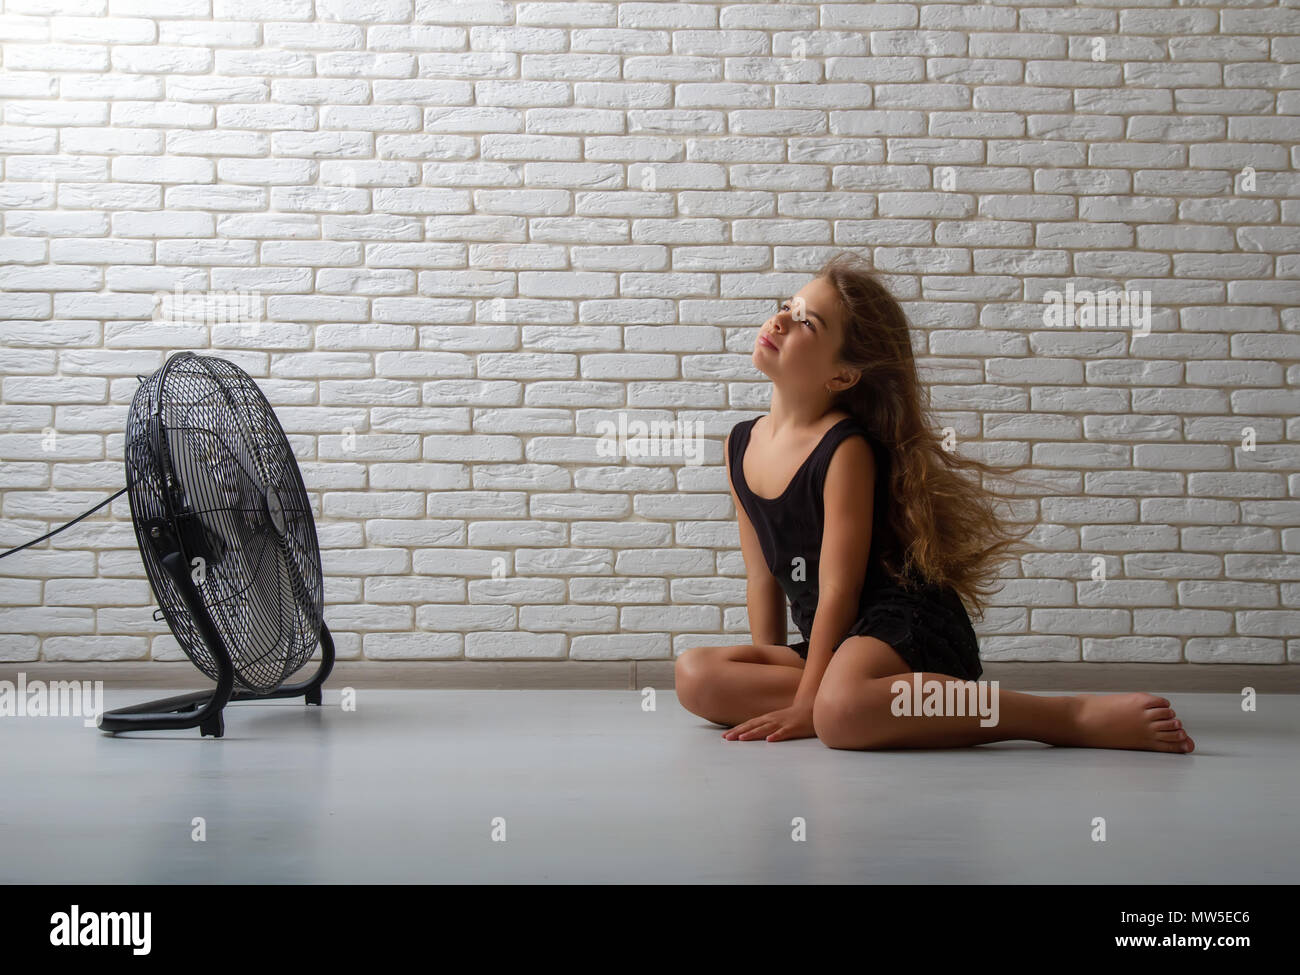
<point>34,541</point>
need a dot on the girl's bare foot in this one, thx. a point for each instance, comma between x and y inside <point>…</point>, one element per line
<point>1135,720</point>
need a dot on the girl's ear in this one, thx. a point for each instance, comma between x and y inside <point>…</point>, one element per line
<point>844,379</point>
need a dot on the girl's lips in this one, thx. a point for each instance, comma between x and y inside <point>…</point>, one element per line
<point>764,340</point>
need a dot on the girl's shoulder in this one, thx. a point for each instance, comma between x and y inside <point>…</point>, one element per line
<point>853,425</point>
<point>747,423</point>
<point>743,426</point>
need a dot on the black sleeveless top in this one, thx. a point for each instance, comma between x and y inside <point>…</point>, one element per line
<point>789,527</point>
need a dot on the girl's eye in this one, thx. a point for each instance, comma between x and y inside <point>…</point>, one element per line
<point>806,321</point>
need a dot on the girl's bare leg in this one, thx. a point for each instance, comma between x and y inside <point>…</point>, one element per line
<point>1138,720</point>
<point>730,685</point>
<point>855,710</point>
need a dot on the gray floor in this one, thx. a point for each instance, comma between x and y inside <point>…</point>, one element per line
<point>594,789</point>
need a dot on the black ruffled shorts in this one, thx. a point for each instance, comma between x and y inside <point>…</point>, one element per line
<point>929,628</point>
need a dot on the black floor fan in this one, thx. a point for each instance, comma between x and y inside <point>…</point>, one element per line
<point>228,540</point>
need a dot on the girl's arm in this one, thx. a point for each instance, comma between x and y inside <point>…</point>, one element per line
<point>846,543</point>
<point>764,597</point>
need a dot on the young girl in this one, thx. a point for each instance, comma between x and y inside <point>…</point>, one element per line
<point>850,506</point>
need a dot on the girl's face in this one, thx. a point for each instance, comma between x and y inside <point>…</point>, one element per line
<point>800,344</point>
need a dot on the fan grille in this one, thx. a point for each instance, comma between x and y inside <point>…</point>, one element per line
<point>205,454</point>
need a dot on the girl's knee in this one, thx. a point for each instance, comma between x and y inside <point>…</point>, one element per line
<point>858,717</point>
<point>693,671</point>
<point>691,664</point>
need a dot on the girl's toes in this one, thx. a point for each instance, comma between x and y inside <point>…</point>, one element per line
<point>1171,736</point>
<point>1169,724</point>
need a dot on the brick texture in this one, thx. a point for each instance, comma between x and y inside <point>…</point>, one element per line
<point>452,239</point>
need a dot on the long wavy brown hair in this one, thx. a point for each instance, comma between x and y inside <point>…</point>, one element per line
<point>946,526</point>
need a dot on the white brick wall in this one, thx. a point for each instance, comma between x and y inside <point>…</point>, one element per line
<point>477,230</point>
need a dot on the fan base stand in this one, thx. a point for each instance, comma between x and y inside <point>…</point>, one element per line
<point>214,726</point>
<point>204,710</point>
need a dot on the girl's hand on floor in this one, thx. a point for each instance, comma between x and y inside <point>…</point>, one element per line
<point>784,724</point>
